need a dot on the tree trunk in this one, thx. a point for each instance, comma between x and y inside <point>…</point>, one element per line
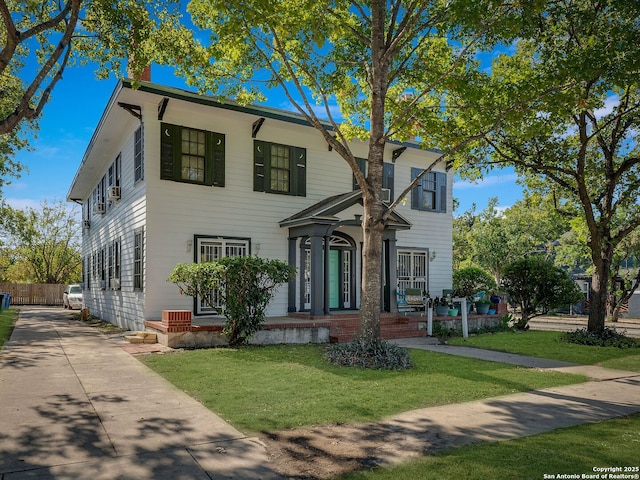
<point>598,298</point>
<point>370,304</point>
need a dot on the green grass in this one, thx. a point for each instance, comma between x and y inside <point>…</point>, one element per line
<point>278,387</point>
<point>548,345</point>
<point>7,321</point>
<point>575,450</point>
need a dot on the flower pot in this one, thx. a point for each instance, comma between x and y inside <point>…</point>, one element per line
<point>491,311</point>
<point>482,308</point>
<point>453,312</point>
<point>442,310</point>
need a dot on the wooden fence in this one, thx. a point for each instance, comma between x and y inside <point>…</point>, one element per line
<point>34,294</point>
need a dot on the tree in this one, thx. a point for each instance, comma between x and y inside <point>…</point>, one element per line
<point>44,243</point>
<point>538,286</point>
<point>40,39</point>
<point>500,237</point>
<point>389,65</point>
<point>243,286</point>
<point>470,280</point>
<point>580,143</point>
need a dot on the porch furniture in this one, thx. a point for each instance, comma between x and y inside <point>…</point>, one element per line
<point>411,300</point>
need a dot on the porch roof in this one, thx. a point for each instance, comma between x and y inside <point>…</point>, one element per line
<point>325,212</point>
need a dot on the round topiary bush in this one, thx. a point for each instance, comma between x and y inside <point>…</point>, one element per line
<point>469,280</point>
<point>378,355</point>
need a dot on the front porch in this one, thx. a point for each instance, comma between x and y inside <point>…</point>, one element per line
<point>178,330</point>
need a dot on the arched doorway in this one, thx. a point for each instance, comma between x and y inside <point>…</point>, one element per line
<point>342,268</point>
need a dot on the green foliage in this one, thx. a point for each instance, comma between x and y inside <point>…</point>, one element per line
<point>8,319</point>
<point>40,39</point>
<point>41,246</point>
<point>609,338</point>
<point>470,280</point>
<point>578,142</point>
<point>538,286</point>
<point>379,355</point>
<point>243,285</point>
<point>270,388</point>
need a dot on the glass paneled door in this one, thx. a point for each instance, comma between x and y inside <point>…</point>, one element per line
<point>341,278</point>
<point>412,270</point>
<point>210,250</point>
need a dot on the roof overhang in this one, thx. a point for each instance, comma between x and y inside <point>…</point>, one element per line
<point>326,211</point>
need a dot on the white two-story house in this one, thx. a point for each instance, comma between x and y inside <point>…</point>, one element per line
<point>171,176</point>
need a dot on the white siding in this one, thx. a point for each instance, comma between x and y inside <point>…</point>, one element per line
<point>172,213</point>
<point>122,307</point>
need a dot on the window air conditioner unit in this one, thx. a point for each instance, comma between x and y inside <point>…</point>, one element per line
<point>386,195</point>
<point>86,224</point>
<point>98,208</point>
<point>113,193</point>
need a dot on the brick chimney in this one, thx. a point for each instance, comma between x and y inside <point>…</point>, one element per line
<point>145,75</point>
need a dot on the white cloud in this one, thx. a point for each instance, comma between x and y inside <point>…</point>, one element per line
<point>22,203</point>
<point>609,104</point>
<point>486,182</point>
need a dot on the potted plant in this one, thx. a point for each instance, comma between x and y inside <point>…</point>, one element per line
<point>482,305</point>
<point>442,306</point>
<point>453,309</point>
<point>470,280</point>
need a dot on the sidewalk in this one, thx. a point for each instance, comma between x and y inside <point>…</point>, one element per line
<point>74,405</point>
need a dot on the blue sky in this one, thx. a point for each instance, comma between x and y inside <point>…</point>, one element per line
<point>69,119</point>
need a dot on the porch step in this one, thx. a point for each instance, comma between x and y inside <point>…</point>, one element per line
<point>142,337</point>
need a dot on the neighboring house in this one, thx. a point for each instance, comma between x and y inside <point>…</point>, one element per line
<point>171,177</point>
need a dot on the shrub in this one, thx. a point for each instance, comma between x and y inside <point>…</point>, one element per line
<point>245,286</point>
<point>378,355</point>
<point>538,286</point>
<point>609,338</point>
<point>467,281</point>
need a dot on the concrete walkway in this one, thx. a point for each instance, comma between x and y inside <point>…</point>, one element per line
<point>74,405</point>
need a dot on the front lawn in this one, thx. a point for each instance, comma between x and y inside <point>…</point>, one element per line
<point>7,321</point>
<point>548,345</point>
<point>278,387</point>
<point>569,451</point>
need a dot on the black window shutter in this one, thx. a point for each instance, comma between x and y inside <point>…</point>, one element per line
<point>441,192</point>
<point>416,192</point>
<point>300,168</point>
<point>388,173</point>
<point>259,159</point>
<point>169,147</point>
<point>218,159</point>
<point>362,163</point>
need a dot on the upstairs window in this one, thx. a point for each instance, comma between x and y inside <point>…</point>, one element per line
<point>138,259</point>
<point>279,169</point>
<point>191,156</point>
<point>138,156</point>
<point>431,192</point>
<point>388,175</point>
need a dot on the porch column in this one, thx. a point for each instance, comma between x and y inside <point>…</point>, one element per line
<point>317,283</point>
<point>292,281</point>
<point>327,276</point>
<point>391,265</point>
